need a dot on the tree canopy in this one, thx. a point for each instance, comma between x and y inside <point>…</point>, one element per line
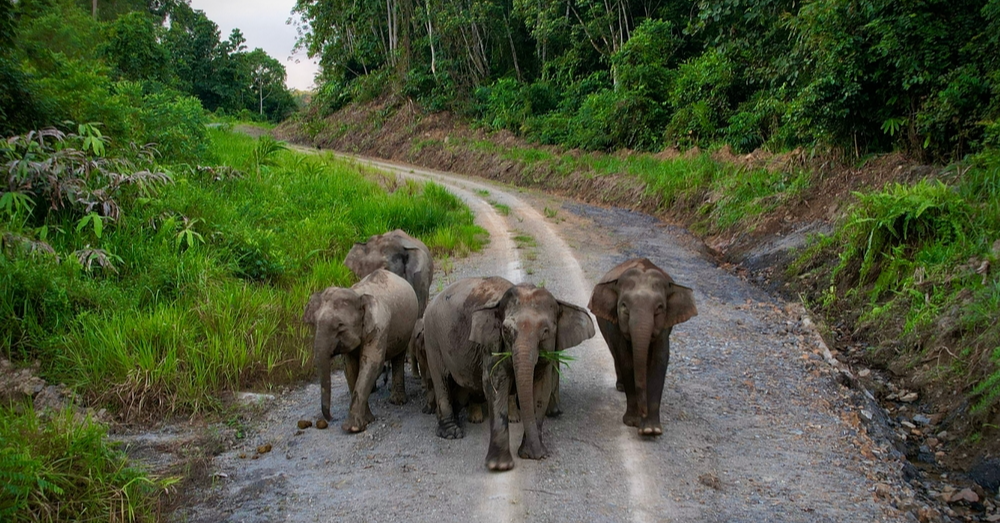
<point>861,75</point>
<point>128,65</point>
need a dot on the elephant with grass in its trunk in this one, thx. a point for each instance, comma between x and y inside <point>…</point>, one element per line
<point>487,335</point>
<point>369,324</point>
<point>636,305</point>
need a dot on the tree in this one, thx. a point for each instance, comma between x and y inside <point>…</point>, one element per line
<point>133,49</point>
<point>267,76</point>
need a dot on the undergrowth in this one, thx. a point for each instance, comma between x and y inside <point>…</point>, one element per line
<point>62,468</point>
<point>917,266</point>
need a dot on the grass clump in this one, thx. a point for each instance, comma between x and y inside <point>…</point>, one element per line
<point>64,469</point>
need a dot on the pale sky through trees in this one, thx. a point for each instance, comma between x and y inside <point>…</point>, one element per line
<point>263,24</point>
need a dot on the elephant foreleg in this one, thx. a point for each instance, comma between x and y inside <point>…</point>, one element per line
<point>369,367</point>
<point>650,426</point>
<point>498,385</point>
<point>631,417</point>
<point>351,370</point>
<point>448,427</point>
<point>398,395</point>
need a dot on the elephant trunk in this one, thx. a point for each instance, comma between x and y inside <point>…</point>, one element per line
<point>525,359</point>
<point>323,357</point>
<point>641,326</point>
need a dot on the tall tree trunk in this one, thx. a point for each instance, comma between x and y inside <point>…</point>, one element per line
<point>513,50</point>
<point>430,38</point>
<point>94,8</point>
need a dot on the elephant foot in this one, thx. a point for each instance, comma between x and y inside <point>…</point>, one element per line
<point>429,408</point>
<point>354,425</point>
<point>631,419</point>
<point>619,386</point>
<point>650,428</point>
<point>553,411</point>
<point>476,413</point>
<point>532,451</point>
<point>397,398</point>
<point>501,462</point>
<point>449,429</point>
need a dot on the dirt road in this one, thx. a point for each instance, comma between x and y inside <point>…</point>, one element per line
<point>755,428</point>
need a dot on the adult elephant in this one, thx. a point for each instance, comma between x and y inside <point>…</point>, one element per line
<point>369,323</point>
<point>485,335</point>
<point>636,305</point>
<point>398,253</point>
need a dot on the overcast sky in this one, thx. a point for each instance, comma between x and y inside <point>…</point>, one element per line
<point>263,24</point>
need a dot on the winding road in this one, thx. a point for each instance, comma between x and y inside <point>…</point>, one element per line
<point>756,429</point>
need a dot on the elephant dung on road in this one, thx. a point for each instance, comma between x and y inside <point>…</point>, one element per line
<point>398,253</point>
<point>485,335</point>
<point>636,305</point>
<point>369,324</point>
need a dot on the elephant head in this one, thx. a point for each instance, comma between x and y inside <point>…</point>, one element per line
<point>398,253</point>
<point>526,321</point>
<point>342,319</point>
<point>645,303</point>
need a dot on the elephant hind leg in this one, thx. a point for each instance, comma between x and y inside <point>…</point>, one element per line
<point>448,427</point>
<point>398,395</point>
<point>513,409</point>
<point>554,410</point>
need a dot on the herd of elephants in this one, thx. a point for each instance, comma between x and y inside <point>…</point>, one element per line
<point>488,340</point>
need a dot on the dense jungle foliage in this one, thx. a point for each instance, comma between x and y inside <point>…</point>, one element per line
<point>145,70</point>
<point>860,75</point>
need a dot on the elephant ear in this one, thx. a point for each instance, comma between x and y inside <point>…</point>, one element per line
<point>314,302</point>
<point>485,326</point>
<point>574,326</point>
<point>408,242</point>
<point>604,301</point>
<point>374,314</point>
<point>680,304</point>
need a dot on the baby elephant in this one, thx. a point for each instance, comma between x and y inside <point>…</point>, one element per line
<point>636,305</point>
<point>369,324</point>
<point>488,335</point>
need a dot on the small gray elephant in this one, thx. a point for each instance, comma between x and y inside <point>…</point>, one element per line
<point>636,305</point>
<point>369,324</point>
<point>398,253</point>
<point>490,337</point>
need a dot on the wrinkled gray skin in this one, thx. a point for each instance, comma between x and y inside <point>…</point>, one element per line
<point>468,327</point>
<point>369,324</point>
<point>398,253</point>
<point>636,305</point>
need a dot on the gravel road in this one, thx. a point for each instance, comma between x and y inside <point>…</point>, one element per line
<point>755,428</point>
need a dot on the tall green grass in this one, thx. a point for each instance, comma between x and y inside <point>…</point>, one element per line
<point>740,194</point>
<point>64,469</point>
<point>210,278</point>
